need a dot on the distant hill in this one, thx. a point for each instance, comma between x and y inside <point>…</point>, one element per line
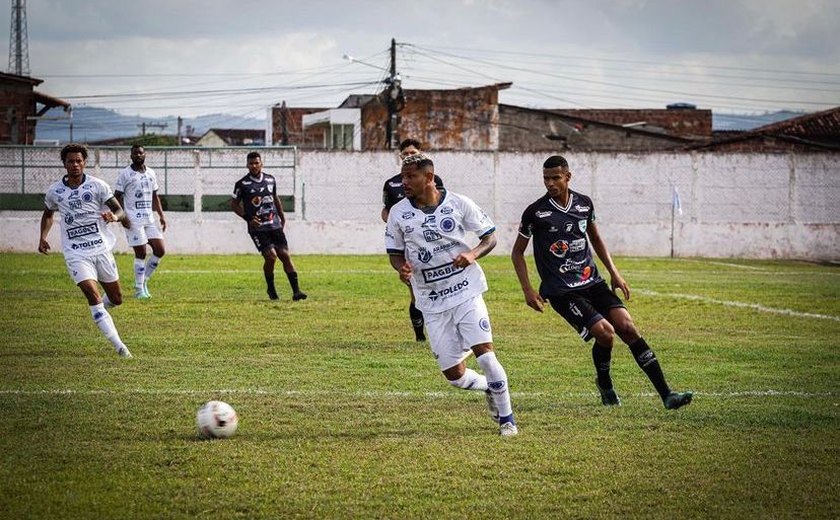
<point>730,122</point>
<point>98,124</point>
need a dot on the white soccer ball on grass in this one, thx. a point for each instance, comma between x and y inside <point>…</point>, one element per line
<point>216,420</point>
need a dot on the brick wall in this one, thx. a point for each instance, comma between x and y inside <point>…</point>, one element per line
<point>17,102</point>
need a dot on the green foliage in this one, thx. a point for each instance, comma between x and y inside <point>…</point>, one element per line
<point>344,415</point>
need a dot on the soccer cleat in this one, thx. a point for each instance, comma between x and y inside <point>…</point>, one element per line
<point>608,397</point>
<point>272,294</point>
<point>146,290</point>
<point>124,353</point>
<point>419,336</point>
<point>492,409</point>
<point>300,295</point>
<point>508,429</point>
<point>676,400</point>
<point>140,294</point>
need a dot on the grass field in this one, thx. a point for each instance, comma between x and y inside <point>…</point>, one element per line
<point>343,415</point>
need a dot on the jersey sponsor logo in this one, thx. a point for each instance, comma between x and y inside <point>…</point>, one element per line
<point>582,208</point>
<point>447,224</point>
<point>74,195</point>
<point>449,291</point>
<point>582,226</point>
<point>559,248</point>
<point>446,210</point>
<point>87,244</point>
<point>543,214</point>
<point>395,184</point>
<point>138,194</point>
<point>424,255</point>
<point>60,190</point>
<point>407,215</point>
<point>570,266</point>
<point>256,200</point>
<point>68,219</point>
<point>74,204</point>
<point>440,272</point>
<point>577,245</point>
<point>444,247</point>
<point>80,231</point>
<point>431,235</point>
<point>569,227</point>
<point>408,229</point>
<point>388,234</point>
<point>246,183</point>
<point>484,323</point>
<point>429,222</point>
<point>143,204</point>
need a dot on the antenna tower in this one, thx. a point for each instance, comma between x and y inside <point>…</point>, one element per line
<point>18,40</point>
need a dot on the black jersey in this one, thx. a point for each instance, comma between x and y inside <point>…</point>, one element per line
<point>561,246</point>
<point>393,192</point>
<point>257,199</point>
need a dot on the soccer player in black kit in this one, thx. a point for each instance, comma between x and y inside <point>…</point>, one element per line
<point>255,200</point>
<point>392,192</point>
<point>562,224</point>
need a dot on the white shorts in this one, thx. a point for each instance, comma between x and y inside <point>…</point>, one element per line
<point>452,333</point>
<point>139,234</point>
<point>100,267</point>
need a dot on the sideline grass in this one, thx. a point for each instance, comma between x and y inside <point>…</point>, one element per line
<point>344,416</point>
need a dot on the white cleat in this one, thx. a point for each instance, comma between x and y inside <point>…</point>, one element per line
<point>124,353</point>
<point>508,429</point>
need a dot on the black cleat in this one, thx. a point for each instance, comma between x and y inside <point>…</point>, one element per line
<point>676,400</point>
<point>300,295</point>
<point>608,397</point>
<point>272,294</point>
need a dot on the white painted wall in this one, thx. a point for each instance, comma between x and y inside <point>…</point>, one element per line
<point>735,205</point>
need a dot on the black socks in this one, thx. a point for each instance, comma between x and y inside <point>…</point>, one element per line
<point>650,365</point>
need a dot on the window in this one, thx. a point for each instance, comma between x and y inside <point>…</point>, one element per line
<point>340,137</point>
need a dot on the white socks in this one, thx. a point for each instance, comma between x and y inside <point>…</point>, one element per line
<point>471,380</point>
<point>139,273</point>
<point>106,325</point>
<point>151,265</point>
<point>496,382</point>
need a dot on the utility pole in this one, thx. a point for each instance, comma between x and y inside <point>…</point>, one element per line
<point>144,124</point>
<point>395,100</point>
<point>18,40</point>
<point>180,122</point>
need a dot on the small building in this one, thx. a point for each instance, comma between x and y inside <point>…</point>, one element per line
<point>816,132</point>
<point>286,127</point>
<point>19,108</point>
<point>218,137</point>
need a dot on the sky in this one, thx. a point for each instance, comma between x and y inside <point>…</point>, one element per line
<point>186,57</point>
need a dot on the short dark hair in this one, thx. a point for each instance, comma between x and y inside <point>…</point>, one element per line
<point>73,148</point>
<point>410,142</point>
<point>556,161</point>
<point>136,146</point>
<point>254,155</point>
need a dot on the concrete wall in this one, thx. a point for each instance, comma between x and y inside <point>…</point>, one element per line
<point>740,205</point>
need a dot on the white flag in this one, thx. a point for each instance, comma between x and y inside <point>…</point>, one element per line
<point>675,200</point>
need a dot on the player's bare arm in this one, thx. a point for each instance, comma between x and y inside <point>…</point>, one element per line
<point>600,247</point>
<point>126,222</point>
<point>399,263</point>
<point>487,243</point>
<point>237,208</point>
<point>158,208</point>
<point>517,256</point>
<point>46,225</point>
<point>280,213</point>
<point>116,213</point>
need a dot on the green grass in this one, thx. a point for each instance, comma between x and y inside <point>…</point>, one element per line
<point>343,415</point>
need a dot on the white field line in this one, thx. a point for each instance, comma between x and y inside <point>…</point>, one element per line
<point>378,393</point>
<point>743,305</point>
<point>726,264</point>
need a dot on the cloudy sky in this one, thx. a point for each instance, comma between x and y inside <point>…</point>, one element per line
<point>190,57</point>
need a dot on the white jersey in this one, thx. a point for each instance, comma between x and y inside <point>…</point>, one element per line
<point>83,232</point>
<point>430,242</point>
<point>137,188</point>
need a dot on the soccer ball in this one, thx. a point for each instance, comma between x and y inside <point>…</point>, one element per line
<point>216,420</point>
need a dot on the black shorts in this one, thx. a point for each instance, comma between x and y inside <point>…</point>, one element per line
<point>265,240</point>
<point>583,308</point>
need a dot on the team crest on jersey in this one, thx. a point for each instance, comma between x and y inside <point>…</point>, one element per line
<point>431,235</point>
<point>87,196</point>
<point>447,224</point>
<point>424,255</point>
<point>559,248</point>
<point>582,226</point>
<point>407,215</point>
<point>68,219</point>
<point>484,323</point>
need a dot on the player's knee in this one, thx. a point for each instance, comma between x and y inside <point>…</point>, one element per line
<point>604,333</point>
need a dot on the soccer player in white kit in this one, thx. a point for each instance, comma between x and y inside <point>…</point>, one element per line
<point>137,192</point>
<point>426,239</point>
<point>86,206</point>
